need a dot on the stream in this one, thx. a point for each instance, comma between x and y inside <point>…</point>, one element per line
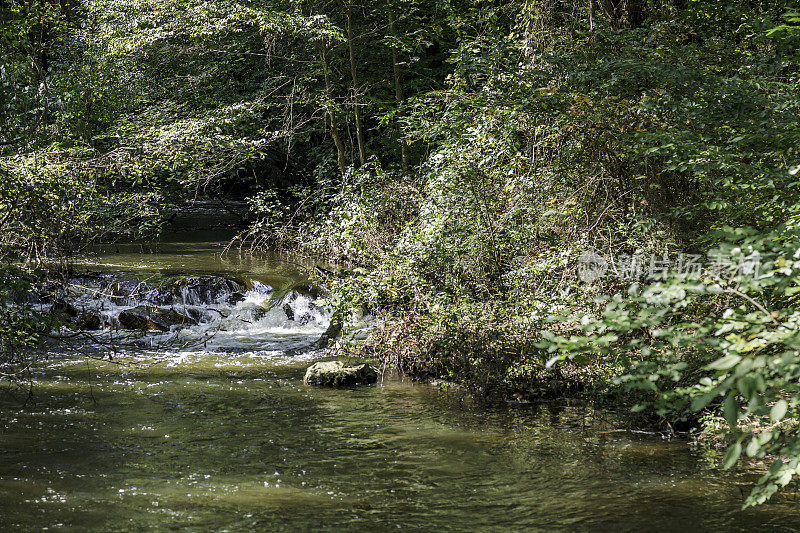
<point>208,426</point>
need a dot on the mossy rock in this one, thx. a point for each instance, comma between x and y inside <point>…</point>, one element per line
<point>332,333</point>
<point>336,374</point>
<point>90,321</point>
<point>146,318</point>
<point>204,290</point>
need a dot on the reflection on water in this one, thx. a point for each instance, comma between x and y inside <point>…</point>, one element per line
<point>238,442</point>
<point>190,258</point>
<point>231,440</point>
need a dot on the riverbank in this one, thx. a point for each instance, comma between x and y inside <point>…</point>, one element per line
<point>501,357</point>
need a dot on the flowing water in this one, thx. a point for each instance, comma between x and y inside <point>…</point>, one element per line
<point>209,427</point>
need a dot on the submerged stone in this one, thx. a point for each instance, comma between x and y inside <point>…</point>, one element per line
<point>332,333</point>
<point>303,314</point>
<point>147,318</point>
<point>133,292</point>
<point>90,321</point>
<point>63,309</point>
<point>308,290</point>
<point>261,288</point>
<point>336,374</point>
<point>209,290</point>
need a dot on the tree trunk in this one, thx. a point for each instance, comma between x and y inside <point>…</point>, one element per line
<point>398,88</point>
<point>621,10</point>
<point>348,11</point>
<point>331,110</point>
<point>636,10</point>
<point>613,8</point>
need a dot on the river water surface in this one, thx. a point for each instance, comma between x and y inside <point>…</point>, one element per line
<point>213,429</point>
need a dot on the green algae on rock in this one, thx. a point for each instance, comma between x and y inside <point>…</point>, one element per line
<point>336,374</point>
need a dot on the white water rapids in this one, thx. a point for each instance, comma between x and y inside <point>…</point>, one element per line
<point>258,320</point>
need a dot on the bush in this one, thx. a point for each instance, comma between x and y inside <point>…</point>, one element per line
<point>726,339</point>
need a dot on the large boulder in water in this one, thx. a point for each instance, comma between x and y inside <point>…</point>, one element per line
<point>63,310</point>
<point>300,308</point>
<point>336,374</point>
<point>330,334</point>
<point>133,292</point>
<point>66,313</point>
<point>90,320</point>
<point>152,318</point>
<point>209,290</point>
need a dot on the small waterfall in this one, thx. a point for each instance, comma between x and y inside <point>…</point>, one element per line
<point>213,312</point>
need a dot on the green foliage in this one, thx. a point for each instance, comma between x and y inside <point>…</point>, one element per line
<point>60,200</point>
<point>727,339</point>
<point>21,328</point>
<point>31,34</point>
<point>554,134</point>
<point>468,152</point>
<point>355,218</point>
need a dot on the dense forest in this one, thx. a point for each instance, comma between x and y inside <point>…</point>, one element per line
<point>538,198</point>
